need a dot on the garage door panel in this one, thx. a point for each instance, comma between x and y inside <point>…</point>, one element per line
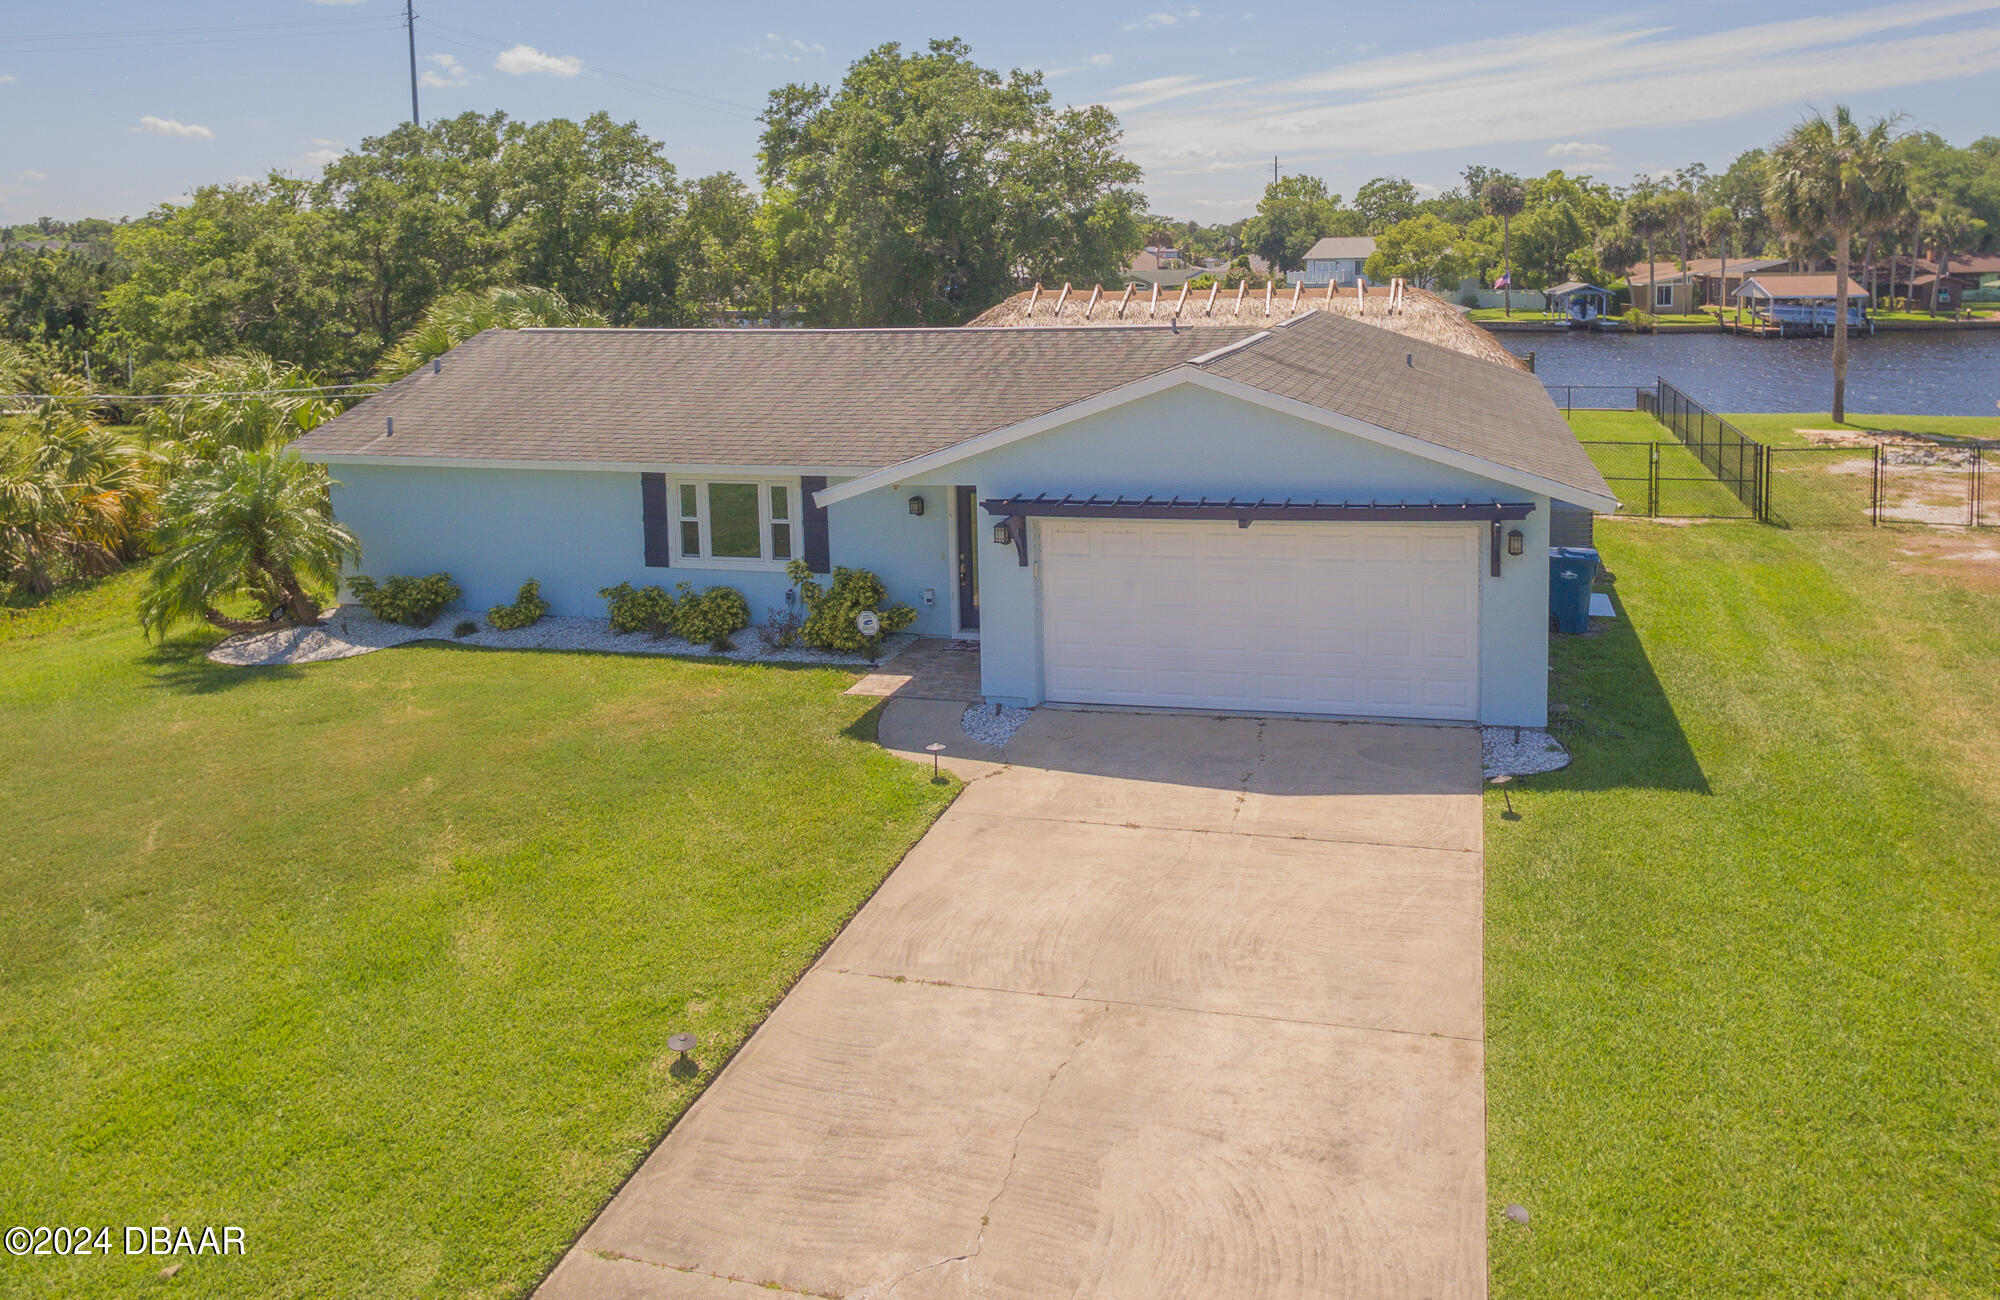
<point>1364,619</point>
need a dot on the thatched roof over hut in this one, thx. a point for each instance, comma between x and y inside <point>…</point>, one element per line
<point>1413,312</point>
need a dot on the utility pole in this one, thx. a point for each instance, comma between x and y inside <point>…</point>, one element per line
<point>410,23</point>
<point>1274,169</point>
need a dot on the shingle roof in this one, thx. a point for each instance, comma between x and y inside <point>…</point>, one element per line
<point>1443,397</point>
<point>832,398</point>
<point>1798,285</point>
<point>1670,272</point>
<point>1341,246</point>
<point>865,399</point>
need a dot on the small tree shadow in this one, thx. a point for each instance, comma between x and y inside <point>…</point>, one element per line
<point>181,664</point>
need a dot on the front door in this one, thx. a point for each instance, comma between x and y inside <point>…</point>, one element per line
<point>966,508</point>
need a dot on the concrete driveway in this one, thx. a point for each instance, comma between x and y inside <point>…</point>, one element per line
<point>1165,1006</point>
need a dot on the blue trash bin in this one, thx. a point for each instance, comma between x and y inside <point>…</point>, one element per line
<point>1571,571</point>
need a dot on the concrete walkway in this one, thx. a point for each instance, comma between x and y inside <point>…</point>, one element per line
<point>1164,1006</point>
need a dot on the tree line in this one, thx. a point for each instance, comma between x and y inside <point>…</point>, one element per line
<point>918,191</point>
<point>1562,226</point>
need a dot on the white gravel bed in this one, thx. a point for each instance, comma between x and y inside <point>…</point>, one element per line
<point>988,727</point>
<point>1535,751</point>
<point>348,631</point>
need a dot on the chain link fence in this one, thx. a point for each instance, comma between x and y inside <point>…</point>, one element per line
<point>1713,470</point>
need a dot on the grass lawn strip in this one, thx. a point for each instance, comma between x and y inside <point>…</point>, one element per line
<point>1742,983</point>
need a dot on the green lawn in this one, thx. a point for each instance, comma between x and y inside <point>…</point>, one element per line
<point>1782,430</point>
<point>1743,977</point>
<point>377,959</point>
<point>1687,488</point>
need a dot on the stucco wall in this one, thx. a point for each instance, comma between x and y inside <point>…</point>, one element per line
<point>1191,441</point>
<point>581,530</point>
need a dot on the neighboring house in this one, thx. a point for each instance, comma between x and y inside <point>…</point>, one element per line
<point>1322,517</point>
<point>1336,260</point>
<point>1665,289</point>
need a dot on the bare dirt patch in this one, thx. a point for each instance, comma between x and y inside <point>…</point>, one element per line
<point>1971,559</point>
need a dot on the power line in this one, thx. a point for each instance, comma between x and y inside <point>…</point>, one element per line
<point>87,42</point>
<point>119,398</point>
<point>469,39</point>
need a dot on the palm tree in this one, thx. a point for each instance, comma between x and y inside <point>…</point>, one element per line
<point>249,527</point>
<point>1678,207</point>
<point>1833,176</point>
<point>209,410</point>
<point>74,496</point>
<point>456,317</point>
<point>1717,225</point>
<point>1946,224</point>
<point>1504,198</point>
<point>1646,216</point>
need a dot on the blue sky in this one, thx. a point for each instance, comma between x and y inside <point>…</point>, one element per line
<point>109,107</point>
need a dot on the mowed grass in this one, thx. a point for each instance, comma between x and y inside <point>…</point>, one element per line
<point>1784,428</point>
<point>378,959</point>
<point>1743,957</point>
<point>1686,487</point>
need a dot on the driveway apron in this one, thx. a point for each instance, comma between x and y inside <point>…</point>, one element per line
<point>1164,1006</point>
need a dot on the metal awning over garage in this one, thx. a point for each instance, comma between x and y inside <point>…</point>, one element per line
<point>1017,510</point>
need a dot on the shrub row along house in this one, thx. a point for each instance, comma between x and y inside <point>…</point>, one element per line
<point>1320,516</point>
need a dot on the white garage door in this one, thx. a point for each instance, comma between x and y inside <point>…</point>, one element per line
<point>1380,620</point>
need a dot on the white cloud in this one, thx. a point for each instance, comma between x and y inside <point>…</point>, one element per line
<point>445,73</point>
<point>1579,149</point>
<point>1101,60</point>
<point>526,60</point>
<point>6,77</point>
<point>1162,18</point>
<point>1158,90</point>
<point>814,48</point>
<point>150,125</point>
<point>319,158</point>
<point>1444,98</point>
<point>34,177</point>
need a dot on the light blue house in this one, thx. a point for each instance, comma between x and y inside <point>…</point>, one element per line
<point>1322,517</point>
<point>1336,260</point>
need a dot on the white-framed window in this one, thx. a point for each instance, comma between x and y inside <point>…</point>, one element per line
<point>736,523</point>
<point>1664,296</point>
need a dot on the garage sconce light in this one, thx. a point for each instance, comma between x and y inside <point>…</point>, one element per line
<point>1516,543</point>
<point>1002,533</point>
<point>916,505</point>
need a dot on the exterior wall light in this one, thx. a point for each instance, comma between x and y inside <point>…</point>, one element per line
<point>1002,533</point>
<point>916,505</point>
<point>1516,542</point>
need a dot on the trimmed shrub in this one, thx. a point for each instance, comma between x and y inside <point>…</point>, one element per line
<point>466,627</point>
<point>711,617</point>
<point>413,602</point>
<point>830,610</point>
<point>526,611</point>
<point>1640,322</point>
<point>643,609</point>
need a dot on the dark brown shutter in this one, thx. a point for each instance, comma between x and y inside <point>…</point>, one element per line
<point>659,524</point>
<point>816,554</point>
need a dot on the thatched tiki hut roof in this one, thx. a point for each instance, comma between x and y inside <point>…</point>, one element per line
<point>1413,312</point>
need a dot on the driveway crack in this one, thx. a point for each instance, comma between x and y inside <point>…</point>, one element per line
<point>1256,765</point>
<point>1013,1159</point>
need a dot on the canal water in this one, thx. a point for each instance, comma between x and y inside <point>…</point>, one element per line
<point>1944,373</point>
